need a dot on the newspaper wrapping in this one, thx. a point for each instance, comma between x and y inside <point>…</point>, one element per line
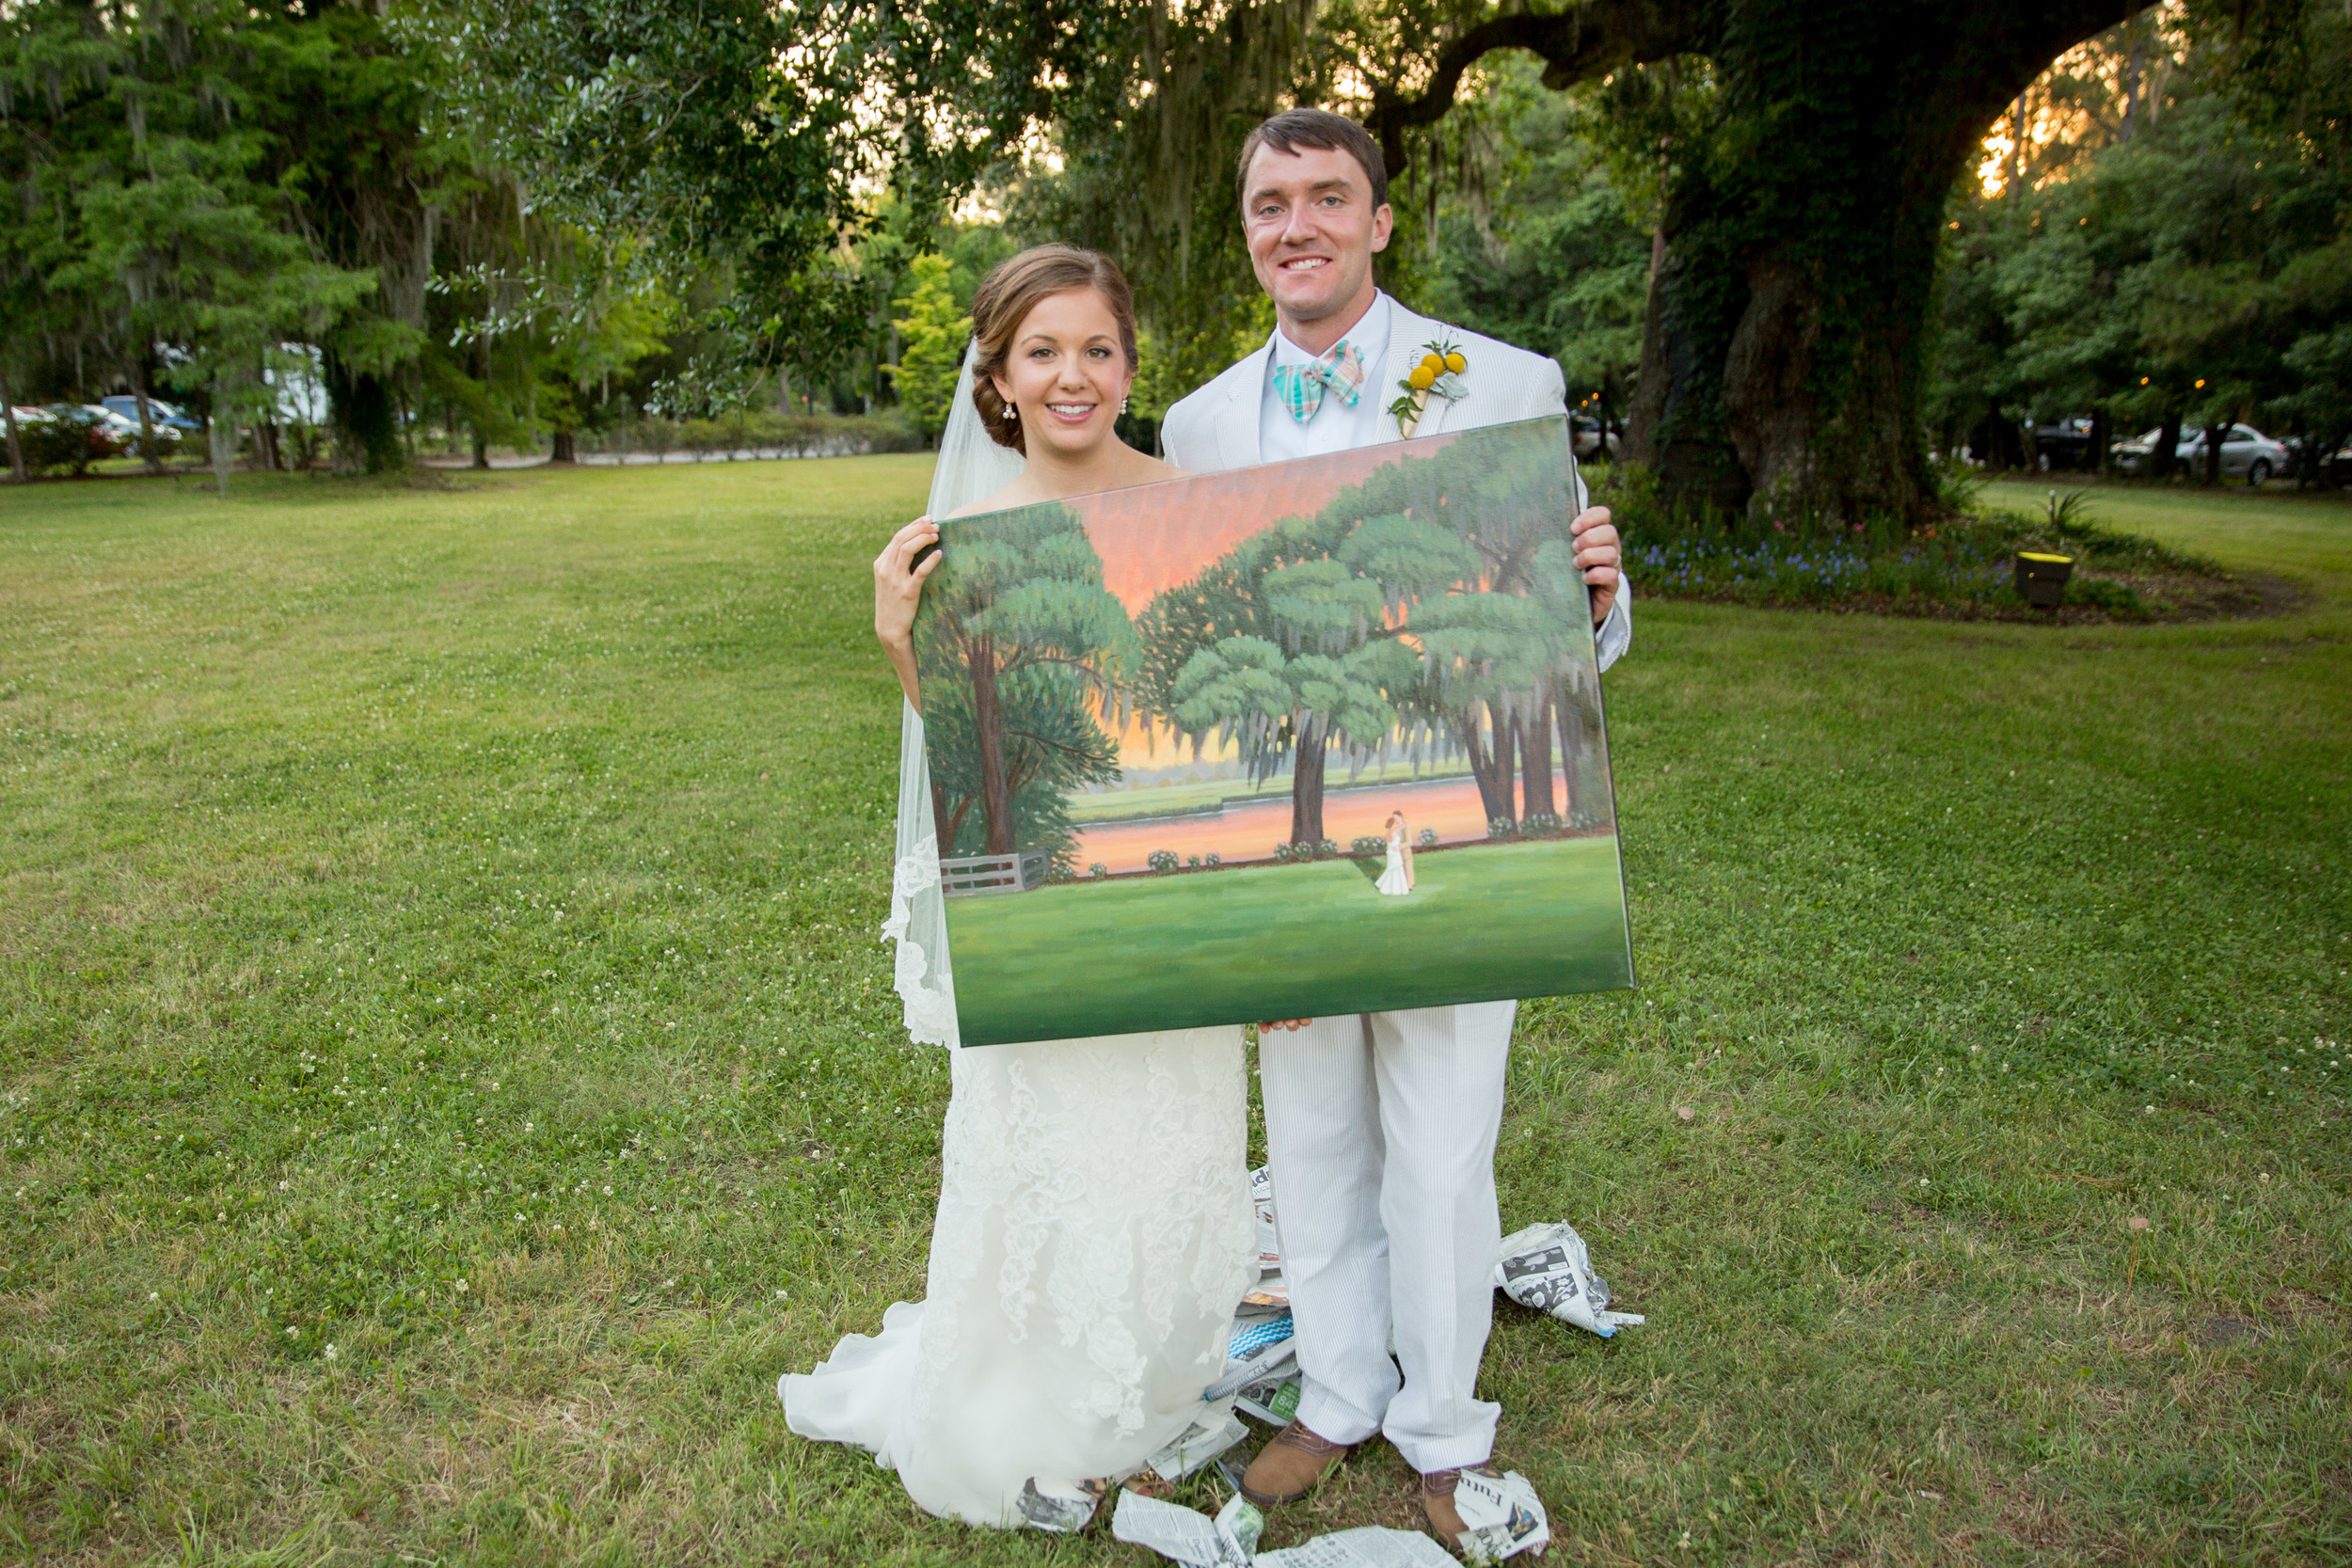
<point>1545,1267</point>
<point>1230,1540</point>
<point>1188,1535</point>
<point>1501,1516</point>
<point>1055,1510</point>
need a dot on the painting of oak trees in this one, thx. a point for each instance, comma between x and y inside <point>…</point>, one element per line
<point>1428,605</point>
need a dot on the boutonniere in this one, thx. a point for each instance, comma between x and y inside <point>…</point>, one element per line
<point>1439,374</point>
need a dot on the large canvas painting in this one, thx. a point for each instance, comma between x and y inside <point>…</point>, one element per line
<point>1314,738</point>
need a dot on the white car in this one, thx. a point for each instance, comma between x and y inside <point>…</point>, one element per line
<point>2246,453</point>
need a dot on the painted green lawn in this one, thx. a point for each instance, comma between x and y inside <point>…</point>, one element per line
<point>1261,942</point>
<point>440,924</point>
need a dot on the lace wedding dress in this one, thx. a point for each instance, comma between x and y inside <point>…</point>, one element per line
<point>1094,1230</point>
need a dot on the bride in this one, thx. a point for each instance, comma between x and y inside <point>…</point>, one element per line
<point>1094,1231</point>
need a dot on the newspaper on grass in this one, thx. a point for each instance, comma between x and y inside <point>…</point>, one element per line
<point>1501,1516</point>
<point>1196,1446</point>
<point>1371,1546</point>
<point>1057,1509</point>
<point>1545,1267</point>
<point>1186,1534</point>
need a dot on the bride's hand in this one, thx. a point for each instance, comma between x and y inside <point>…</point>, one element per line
<point>898,582</point>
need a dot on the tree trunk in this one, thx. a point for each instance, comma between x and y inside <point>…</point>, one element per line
<point>2102,437</point>
<point>1569,716</point>
<point>988,725</point>
<point>1782,368</point>
<point>1535,760</point>
<point>480,447</point>
<point>2211,451</point>
<point>16,447</point>
<point>359,407</point>
<point>2162,461</point>
<point>151,455</point>
<point>1307,760</point>
<point>221,434</point>
<point>564,448</point>
<point>1492,778</point>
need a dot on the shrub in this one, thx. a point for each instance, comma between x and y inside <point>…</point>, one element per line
<point>1328,850</point>
<point>1367,844</point>
<point>1098,871</point>
<point>1215,859</point>
<point>1428,838</point>
<point>1542,822</point>
<point>1192,863</point>
<point>60,444</point>
<point>1161,860</point>
<point>1501,827</point>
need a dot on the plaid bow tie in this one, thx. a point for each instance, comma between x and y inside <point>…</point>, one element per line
<point>1300,386</point>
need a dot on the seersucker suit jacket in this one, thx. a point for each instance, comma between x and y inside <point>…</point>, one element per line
<point>1215,428</point>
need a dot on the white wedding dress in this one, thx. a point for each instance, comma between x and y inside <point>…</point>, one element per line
<point>1393,877</point>
<point>1094,1231</point>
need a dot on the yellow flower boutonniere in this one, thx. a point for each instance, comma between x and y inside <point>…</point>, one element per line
<point>1439,374</point>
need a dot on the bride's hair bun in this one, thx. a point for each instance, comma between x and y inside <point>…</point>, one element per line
<point>1007,294</point>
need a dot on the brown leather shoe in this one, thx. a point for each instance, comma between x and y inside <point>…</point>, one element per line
<point>1437,1506</point>
<point>1294,1465</point>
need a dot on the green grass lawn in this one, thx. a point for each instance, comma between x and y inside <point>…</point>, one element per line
<point>440,924</point>
<point>1260,941</point>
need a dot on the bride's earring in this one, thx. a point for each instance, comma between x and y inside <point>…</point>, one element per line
<point>1122,405</point>
<point>1013,412</point>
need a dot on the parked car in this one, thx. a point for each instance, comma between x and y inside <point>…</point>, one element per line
<point>164,416</point>
<point>2246,453</point>
<point>1585,432</point>
<point>103,430</point>
<point>2063,445</point>
<point>2310,455</point>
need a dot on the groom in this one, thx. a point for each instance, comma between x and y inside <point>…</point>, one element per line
<point>1380,1126</point>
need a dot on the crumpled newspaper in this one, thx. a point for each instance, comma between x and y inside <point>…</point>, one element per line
<point>1197,1445</point>
<point>1501,1516</point>
<point>1545,1267</point>
<point>1058,1509</point>
<point>1230,1540</point>
<point>1188,1535</point>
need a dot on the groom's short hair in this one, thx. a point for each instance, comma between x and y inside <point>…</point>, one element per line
<point>1317,128</point>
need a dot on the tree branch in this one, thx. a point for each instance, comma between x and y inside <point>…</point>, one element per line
<point>1584,40</point>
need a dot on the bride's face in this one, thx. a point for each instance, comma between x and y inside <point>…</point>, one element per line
<point>1066,371</point>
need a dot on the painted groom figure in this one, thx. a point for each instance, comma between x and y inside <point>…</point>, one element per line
<point>1380,1126</point>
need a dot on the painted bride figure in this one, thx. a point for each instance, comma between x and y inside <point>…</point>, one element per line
<point>1094,1230</point>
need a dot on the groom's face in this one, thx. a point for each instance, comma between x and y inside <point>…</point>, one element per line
<point>1313,231</point>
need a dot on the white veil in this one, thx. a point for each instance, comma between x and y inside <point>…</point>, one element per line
<point>972,467</point>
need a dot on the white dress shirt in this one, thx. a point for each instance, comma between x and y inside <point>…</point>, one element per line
<point>1334,427</point>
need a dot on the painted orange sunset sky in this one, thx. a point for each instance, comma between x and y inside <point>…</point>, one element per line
<point>1147,545</point>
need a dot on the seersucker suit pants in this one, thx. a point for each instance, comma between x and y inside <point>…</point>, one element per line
<point>1380,1129</point>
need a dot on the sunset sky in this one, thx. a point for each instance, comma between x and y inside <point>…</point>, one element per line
<point>1156,536</point>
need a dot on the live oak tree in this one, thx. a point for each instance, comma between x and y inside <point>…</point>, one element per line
<point>1783,360</point>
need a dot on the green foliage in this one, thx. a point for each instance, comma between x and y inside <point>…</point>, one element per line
<point>2193,269</point>
<point>1544,249</point>
<point>932,334</point>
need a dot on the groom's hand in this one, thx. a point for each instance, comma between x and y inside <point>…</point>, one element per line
<point>1596,556</point>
